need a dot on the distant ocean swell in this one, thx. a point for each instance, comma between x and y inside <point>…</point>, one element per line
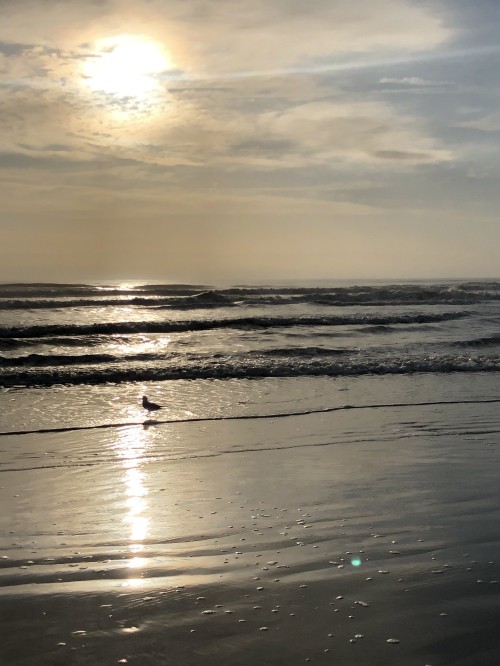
<point>50,296</point>
<point>252,366</point>
<point>258,322</point>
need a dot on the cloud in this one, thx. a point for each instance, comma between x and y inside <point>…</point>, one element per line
<point>489,123</point>
<point>329,132</point>
<point>272,113</point>
<point>187,89</point>
<point>255,35</point>
<point>12,48</point>
<point>45,43</point>
<point>412,81</point>
<point>198,131</point>
<point>266,125</point>
<point>406,156</point>
<point>211,39</point>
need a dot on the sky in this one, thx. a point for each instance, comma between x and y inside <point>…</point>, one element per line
<point>245,140</point>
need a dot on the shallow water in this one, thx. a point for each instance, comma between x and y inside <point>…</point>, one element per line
<point>81,406</point>
<point>114,542</point>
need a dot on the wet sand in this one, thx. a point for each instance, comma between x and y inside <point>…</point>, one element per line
<point>365,537</point>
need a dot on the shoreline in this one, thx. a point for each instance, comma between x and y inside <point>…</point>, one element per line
<point>112,558</point>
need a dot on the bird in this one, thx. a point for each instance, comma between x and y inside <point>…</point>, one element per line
<point>150,406</point>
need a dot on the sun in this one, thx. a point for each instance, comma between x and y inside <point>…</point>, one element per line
<point>126,66</point>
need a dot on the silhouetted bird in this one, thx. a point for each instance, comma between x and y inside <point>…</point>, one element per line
<point>150,406</point>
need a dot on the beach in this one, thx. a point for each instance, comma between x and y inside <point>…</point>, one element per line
<point>320,484</point>
<point>249,333</point>
<point>367,534</point>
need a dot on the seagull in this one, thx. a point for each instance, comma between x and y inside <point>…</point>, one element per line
<point>150,406</point>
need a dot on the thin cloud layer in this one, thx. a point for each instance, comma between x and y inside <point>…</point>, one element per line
<point>259,106</point>
<point>44,41</point>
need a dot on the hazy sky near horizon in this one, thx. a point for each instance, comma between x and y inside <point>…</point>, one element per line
<point>245,139</point>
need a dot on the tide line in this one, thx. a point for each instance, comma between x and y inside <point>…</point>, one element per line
<point>246,417</point>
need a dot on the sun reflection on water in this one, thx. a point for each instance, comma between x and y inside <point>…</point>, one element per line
<point>130,448</point>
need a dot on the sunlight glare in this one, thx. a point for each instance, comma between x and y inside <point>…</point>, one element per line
<point>133,582</point>
<point>126,66</point>
<point>130,449</point>
<point>137,563</point>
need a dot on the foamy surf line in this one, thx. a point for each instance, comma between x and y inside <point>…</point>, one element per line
<point>246,417</point>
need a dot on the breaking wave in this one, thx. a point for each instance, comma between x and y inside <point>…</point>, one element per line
<point>251,366</point>
<point>185,297</point>
<point>258,322</point>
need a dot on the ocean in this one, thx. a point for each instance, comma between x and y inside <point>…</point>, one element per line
<point>321,478</point>
<point>127,338</point>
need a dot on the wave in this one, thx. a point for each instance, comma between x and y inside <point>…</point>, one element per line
<point>249,323</point>
<point>61,290</point>
<point>379,328</point>
<point>397,294</point>
<point>408,295</point>
<point>57,304</point>
<point>56,360</point>
<point>207,299</point>
<point>250,367</point>
<point>76,341</point>
<point>183,297</point>
<point>294,352</point>
<point>487,341</point>
<point>59,360</point>
<point>13,343</point>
